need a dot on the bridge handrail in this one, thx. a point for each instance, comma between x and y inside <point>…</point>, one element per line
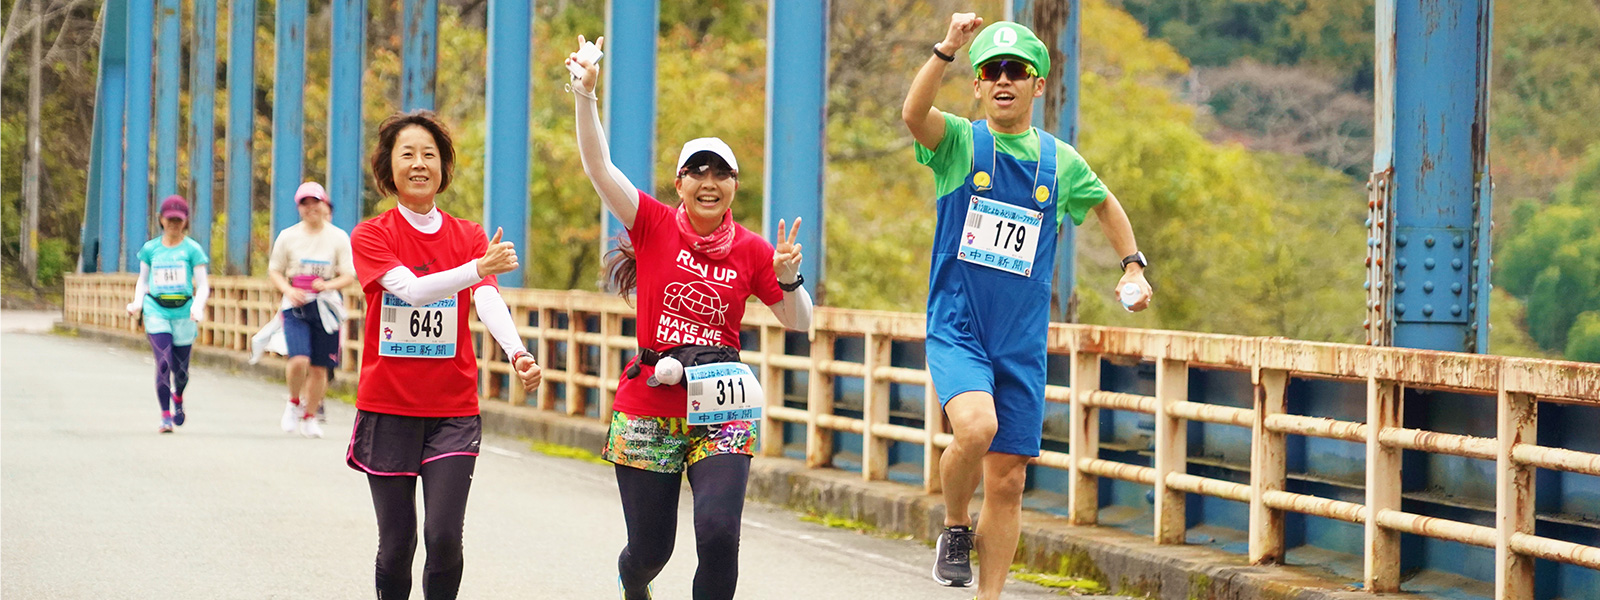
<point>240,306</point>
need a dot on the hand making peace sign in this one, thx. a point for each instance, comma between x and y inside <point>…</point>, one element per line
<point>786,253</point>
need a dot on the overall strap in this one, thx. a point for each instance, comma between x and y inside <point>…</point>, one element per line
<point>1044,178</point>
<point>982,176</point>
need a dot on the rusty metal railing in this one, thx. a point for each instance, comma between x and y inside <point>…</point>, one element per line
<point>239,307</point>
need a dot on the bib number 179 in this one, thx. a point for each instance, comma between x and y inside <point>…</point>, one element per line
<point>1014,235</point>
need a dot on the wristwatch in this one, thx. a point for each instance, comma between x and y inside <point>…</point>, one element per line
<point>942,56</point>
<point>792,286</point>
<point>1136,257</point>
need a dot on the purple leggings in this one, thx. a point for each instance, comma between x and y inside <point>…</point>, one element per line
<point>172,368</point>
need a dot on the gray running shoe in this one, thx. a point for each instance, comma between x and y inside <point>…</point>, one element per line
<point>952,565</point>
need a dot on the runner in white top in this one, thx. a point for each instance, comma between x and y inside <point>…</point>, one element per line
<point>310,263</point>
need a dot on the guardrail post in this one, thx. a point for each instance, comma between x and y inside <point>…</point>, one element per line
<point>1268,468</point>
<point>545,398</point>
<point>772,344</point>
<point>875,409</point>
<point>932,427</point>
<point>819,401</point>
<point>1172,448</point>
<point>1514,494</point>
<point>574,391</point>
<point>1384,409</point>
<point>1083,489</point>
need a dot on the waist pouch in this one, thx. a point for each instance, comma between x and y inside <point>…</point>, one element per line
<point>170,300</point>
<point>690,356</point>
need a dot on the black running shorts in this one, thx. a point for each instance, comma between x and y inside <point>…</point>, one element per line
<point>385,444</point>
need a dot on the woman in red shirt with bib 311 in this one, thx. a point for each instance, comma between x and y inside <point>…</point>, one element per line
<point>417,401</point>
<point>692,268</point>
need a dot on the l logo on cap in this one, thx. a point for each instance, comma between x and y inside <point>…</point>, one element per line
<point>1005,37</point>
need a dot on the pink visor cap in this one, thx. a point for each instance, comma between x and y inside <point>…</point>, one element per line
<point>175,206</point>
<point>311,189</point>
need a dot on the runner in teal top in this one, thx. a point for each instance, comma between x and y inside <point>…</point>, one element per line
<point>171,295</point>
<point>1004,190</point>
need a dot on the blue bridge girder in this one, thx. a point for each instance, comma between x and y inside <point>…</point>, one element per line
<point>1429,210</point>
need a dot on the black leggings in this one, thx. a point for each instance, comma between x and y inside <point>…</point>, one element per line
<point>445,483</point>
<point>172,368</point>
<point>650,507</point>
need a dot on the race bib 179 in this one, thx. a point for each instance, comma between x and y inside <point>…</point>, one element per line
<point>1000,236</point>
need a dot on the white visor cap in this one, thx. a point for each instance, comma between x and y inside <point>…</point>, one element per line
<point>708,144</point>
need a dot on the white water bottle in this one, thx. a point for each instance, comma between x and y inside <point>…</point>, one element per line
<point>1129,295</point>
<point>669,371</point>
<point>589,53</point>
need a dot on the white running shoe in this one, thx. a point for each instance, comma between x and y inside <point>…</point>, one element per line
<point>309,428</point>
<point>291,417</point>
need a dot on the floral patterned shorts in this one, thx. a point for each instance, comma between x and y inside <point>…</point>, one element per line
<point>670,444</point>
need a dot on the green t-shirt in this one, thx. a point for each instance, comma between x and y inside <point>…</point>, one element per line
<point>1078,189</point>
<point>171,273</point>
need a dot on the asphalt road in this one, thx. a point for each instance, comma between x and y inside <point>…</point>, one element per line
<point>94,503</point>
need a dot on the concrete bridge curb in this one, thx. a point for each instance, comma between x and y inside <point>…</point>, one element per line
<point>1126,563</point>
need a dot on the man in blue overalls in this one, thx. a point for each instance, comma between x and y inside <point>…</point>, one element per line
<point>1004,189</point>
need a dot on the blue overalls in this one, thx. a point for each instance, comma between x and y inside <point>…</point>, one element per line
<point>994,249</point>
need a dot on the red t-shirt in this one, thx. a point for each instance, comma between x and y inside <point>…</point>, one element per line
<point>407,385</point>
<point>685,297</point>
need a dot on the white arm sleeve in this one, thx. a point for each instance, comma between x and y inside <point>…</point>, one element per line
<point>794,310</point>
<point>617,193</point>
<point>202,288</point>
<point>428,289</point>
<point>141,286</point>
<point>496,316</point>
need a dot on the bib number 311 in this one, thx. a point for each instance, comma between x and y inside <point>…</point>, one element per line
<point>723,392</point>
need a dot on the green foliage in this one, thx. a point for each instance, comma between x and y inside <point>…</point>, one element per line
<point>65,116</point>
<point>560,451</point>
<point>1547,74</point>
<point>1240,242</point>
<point>1508,329</point>
<point>1551,259</point>
<point>1332,34</point>
<point>1058,582</point>
<point>1583,340</point>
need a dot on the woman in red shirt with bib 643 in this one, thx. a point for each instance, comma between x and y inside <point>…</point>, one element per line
<point>417,401</point>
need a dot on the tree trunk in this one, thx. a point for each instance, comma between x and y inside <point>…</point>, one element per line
<point>30,225</point>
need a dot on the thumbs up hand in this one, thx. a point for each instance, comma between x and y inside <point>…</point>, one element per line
<point>499,257</point>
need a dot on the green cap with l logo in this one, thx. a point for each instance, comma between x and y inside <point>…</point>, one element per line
<point>1006,38</point>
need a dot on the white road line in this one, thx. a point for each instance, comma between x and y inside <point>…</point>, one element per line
<point>793,534</point>
<point>502,452</point>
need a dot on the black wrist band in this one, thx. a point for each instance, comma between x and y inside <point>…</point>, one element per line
<point>942,56</point>
<point>795,285</point>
